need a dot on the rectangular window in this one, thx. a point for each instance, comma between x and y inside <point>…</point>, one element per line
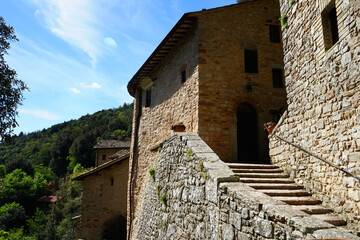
<point>103,157</point>
<point>274,31</point>
<point>330,25</point>
<point>183,76</point>
<point>277,75</point>
<point>148,98</point>
<point>251,61</point>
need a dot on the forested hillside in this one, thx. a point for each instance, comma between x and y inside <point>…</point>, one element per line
<point>44,163</point>
<point>62,146</point>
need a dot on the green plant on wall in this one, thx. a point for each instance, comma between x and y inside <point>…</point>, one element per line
<point>152,173</point>
<point>291,2</point>
<point>189,153</point>
<point>159,149</point>
<point>158,190</point>
<point>283,21</point>
<point>164,224</point>
<point>163,198</point>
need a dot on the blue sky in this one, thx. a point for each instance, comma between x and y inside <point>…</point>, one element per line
<point>77,56</point>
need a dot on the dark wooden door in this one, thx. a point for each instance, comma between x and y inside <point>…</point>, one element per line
<point>247,135</point>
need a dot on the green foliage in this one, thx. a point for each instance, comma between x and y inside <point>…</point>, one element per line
<point>11,88</point>
<point>17,234</point>
<point>46,172</point>
<point>78,169</point>
<point>64,145</point>
<point>159,149</point>
<point>291,2</point>
<point>12,215</point>
<point>2,171</point>
<point>152,173</point>
<point>17,186</point>
<point>163,198</point>
<point>36,224</point>
<point>20,163</point>
<point>164,224</point>
<point>283,21</point>
<point>189,153</point>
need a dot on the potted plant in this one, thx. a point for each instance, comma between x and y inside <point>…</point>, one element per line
<point>269,127</point>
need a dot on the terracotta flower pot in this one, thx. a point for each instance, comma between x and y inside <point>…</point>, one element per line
<point>269,127</point>
<point>178,128</point>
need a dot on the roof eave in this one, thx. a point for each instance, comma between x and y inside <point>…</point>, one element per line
<point>180,29</point>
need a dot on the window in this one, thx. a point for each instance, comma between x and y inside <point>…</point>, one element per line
<point>277,75</point>
<point>274,31</point>
<point>183,76</point>
<point>103,157</point>
<point>251,61</point>
<point>112,181</point>
<point>148,98</point>
<point>330,25</point>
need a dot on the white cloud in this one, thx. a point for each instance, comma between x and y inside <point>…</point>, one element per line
<point>110,42</point>
<point>75,22</point>
<point>74,90</point>
<point>93,85</point>
<point>40,114</point>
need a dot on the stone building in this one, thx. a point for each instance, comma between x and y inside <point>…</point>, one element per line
<point>103,214</point>
<point>218,73</point>
<point>322,70</point>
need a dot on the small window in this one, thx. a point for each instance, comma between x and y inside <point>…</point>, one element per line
<point>251,61</point>
<point>274,31</point>
<point>148,98</point>
<point>112,181</point>
<point>330,25</point>
<point>183,76</point>
<point>277,75</point>
<point>103,157</point>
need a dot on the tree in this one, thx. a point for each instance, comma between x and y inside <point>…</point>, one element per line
<point>11,88</point>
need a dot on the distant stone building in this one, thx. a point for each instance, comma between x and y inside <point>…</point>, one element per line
<point>103,214</point>
<point>219,73</point>
<point>322,70</point>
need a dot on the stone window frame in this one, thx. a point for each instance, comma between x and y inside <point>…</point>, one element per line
<point>330,25</point>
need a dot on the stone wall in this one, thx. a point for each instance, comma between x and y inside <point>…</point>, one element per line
<point>104,202</point>
<point>323,104</point>
<point>224,34</point>
<point>172,102</point>
<point>195,196</point>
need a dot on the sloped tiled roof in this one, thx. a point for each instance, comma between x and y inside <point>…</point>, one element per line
<point>120,153</point>
<point>110,144</point>
<point>102,167</point>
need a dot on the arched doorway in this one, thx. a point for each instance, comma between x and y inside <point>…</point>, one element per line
<point>247,134</point>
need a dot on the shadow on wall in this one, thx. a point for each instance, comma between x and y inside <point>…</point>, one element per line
<point>115,228</point>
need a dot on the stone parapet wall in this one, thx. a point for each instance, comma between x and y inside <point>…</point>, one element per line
<point>323,87</point>
<point>205,201</point>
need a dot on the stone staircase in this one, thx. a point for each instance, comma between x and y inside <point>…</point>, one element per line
<point>273,181</point>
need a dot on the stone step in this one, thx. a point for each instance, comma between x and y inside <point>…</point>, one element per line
<point>298,200</point>
<point>253,166</point>
<point>262,175</point>
<point>313,209</point>
<point>288,186</point>
<point>266,180</point>
<point>248,170</point>
<point>334,220</point>
<point>284,192</point>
